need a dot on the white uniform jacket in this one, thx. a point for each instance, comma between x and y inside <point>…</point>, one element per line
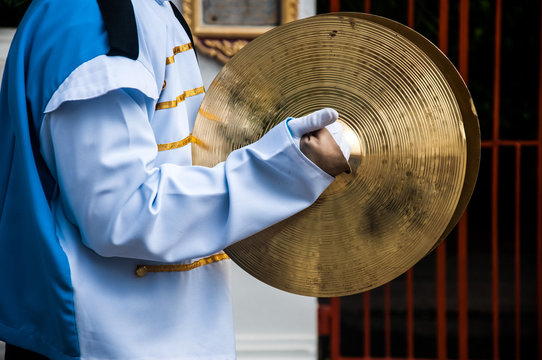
<point>116,137</point>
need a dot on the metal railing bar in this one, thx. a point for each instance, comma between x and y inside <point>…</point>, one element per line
<point>367,323</point>
<point>462,235</point>
<point>442,331</point>
<point>492,143</point>
<point>517,250</point>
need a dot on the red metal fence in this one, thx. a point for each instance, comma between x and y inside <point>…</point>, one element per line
<point>485,288</point>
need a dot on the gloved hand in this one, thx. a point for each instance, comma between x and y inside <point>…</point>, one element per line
<point>321,139</point>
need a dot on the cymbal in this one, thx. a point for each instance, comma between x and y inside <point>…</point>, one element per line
<point>413,132</point>
<point>464,100</point>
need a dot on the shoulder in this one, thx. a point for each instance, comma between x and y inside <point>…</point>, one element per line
<point>52,40</point>
<point>47,18</point>
<point>64,43</point>
<point>100,74</point>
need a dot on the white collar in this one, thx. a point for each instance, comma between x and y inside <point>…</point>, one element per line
<point>160,1</point>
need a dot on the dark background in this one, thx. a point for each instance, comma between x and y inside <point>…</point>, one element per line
<point>518,116</point>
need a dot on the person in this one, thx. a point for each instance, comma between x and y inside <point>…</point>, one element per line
<point>97,107</point>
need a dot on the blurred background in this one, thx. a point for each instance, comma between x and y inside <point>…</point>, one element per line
<point>478,295</point>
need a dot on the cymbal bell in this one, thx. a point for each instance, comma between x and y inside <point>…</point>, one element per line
<point>415,148</point>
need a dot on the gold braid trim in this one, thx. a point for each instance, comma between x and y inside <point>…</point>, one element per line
<point>177,144</point>
<point>180,98</point>
<point>142,270</point>
<point>177,50</point>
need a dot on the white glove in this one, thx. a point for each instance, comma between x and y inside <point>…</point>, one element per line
<point>314,121</point>
<point>337,132</point>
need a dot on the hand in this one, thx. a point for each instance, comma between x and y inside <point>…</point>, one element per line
<point>320,147</point>
<point>325,147</point>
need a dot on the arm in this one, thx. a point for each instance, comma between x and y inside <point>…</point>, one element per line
<point>102,152</point>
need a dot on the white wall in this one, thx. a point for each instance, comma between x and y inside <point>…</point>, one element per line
<point>6,35</point>
<point>270,324</point>
<point>5,38</point>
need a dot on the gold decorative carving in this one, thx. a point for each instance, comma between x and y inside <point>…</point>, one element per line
<point>222,42</point>
<point>221,49</point>
<point>187,11</point>
<point>290,10</point>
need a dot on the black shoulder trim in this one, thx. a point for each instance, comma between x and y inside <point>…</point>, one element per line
<point>183,22</point>
<point>120,24</point>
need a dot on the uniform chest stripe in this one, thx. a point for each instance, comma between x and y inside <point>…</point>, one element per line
<point>177,50</point>
<point>180,98</point>
<point>142,270</point>
<point>177,144</point>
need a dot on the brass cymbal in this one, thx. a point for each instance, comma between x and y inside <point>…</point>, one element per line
<point>464,100</point>
<point>406,113</point>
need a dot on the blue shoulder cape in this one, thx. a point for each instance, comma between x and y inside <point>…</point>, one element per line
<point>53,39</point>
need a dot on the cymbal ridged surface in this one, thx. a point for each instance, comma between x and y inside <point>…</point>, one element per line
<point>409,155</point>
